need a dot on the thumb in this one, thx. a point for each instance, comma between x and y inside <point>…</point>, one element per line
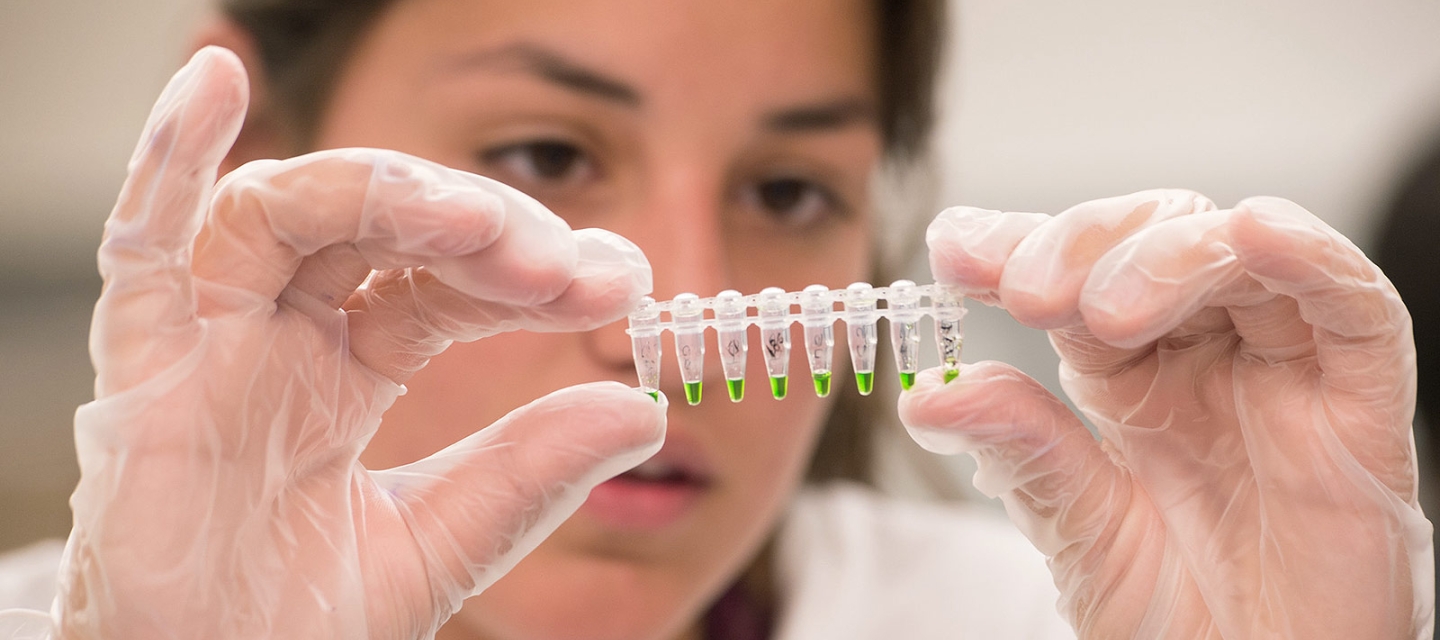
<point>480,505</point>
<point>1057,485</point>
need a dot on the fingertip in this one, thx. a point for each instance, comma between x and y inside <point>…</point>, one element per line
<point>218,55</point>
<point>925,408</point>
<point>1292,250</point>
<point>984,404</point>
<point>215,79</point>
<point>610,278</point>
<point>969,246</point>
<point>613,258</point>
<point>627,422</point>
<point>1159,277</point>
<point>1275,237</point>
<point>536,252</point>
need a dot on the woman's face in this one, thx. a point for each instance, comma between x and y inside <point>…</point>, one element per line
<point>733,142</point>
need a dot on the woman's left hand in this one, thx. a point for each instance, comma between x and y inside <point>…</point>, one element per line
<point>1252,377</point>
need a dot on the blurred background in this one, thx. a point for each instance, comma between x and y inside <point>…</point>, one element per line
<point>1047,103</point>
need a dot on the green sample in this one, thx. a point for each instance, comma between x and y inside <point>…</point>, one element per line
<point>692,392</point>
<point>778,385</point>
<point>736,389</point>
<point>822,384</point>
<point>865,380</point>
<point>951,374</point>
<point>907,380</point>
<point>653,394</point>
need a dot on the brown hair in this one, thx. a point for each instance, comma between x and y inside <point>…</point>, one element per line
<point>302,44</point>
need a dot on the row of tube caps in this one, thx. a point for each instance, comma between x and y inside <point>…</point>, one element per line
<point>730,317</point>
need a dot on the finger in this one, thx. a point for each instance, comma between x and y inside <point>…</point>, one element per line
<point>1361,328</point>
<point>1043,277</point>
<point>478,235</point>
<point>969,247</point>
<point>1162,276</point>
<point>1315,320</point>
<point>331,274</point>
<point>1032,452</point>
<point>482,504</point>
<point>405,317</point>
<point>1246,260</point>
<point>1364,353</point>
<point>143,319</point>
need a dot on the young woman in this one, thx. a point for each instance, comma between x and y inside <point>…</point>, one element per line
<point>1252,374</point>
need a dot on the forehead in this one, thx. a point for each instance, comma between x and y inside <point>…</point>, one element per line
<point>760,51</point>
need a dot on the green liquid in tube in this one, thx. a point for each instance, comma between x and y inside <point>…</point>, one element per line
<point>907,380</point>
<point>822,384</point>
<point>655,395</point>
<point>778,386</point>
<point>736,389</point>
<point>692,393</point>
<point>865,380</point>
<point>951,374</point>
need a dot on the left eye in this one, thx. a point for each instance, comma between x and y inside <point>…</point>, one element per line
<point>792,201</point>
<point>538,163</point>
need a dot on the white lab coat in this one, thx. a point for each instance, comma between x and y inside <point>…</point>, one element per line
<point>850,563</point>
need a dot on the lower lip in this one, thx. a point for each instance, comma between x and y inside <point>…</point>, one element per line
<point>622,503</point>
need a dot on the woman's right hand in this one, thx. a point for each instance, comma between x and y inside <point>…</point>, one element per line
<point>242,366</point>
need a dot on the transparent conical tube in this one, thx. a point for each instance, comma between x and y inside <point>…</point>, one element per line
<point>949,332</point>
<point>689,343</point>
<point>730,331</point>
<point>862,334</point>
<point>645,345</point>
<point>905,330</point>
<point>817,314</point>
<point>775,338</point>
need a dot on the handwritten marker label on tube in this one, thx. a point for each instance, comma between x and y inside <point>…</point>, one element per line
<point>730,329</point>
<point>775,338</point>
<point>949,313</point>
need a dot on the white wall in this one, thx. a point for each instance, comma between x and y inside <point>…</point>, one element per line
<point>1315,100</point>
<point>77,78</point>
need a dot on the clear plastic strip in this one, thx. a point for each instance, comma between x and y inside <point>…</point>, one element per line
<point>928,292</point>
<point>729,315</point>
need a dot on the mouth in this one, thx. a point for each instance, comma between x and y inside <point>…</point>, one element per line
<point>653,496</point>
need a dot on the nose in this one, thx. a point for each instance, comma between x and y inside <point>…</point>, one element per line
<point>678,224</point>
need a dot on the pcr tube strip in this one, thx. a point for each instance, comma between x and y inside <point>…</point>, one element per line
<point>688,316</point>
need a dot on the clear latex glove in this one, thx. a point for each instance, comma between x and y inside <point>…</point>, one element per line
<point>221,494</point>
<point>1252,377</point>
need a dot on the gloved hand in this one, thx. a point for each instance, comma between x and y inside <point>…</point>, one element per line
<point>1252,377</point>
<point>221,494</point>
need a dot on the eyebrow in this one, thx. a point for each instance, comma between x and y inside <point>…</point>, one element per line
<point>554,68</point>
<point>820,117</point>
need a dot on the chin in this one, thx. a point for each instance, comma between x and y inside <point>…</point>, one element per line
<point>595,598</point>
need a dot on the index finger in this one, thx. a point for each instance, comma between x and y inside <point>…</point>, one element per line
<point>147,302</point>
<point>480,236</point>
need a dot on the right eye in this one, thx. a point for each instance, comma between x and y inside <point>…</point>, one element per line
<point>538,165</point>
